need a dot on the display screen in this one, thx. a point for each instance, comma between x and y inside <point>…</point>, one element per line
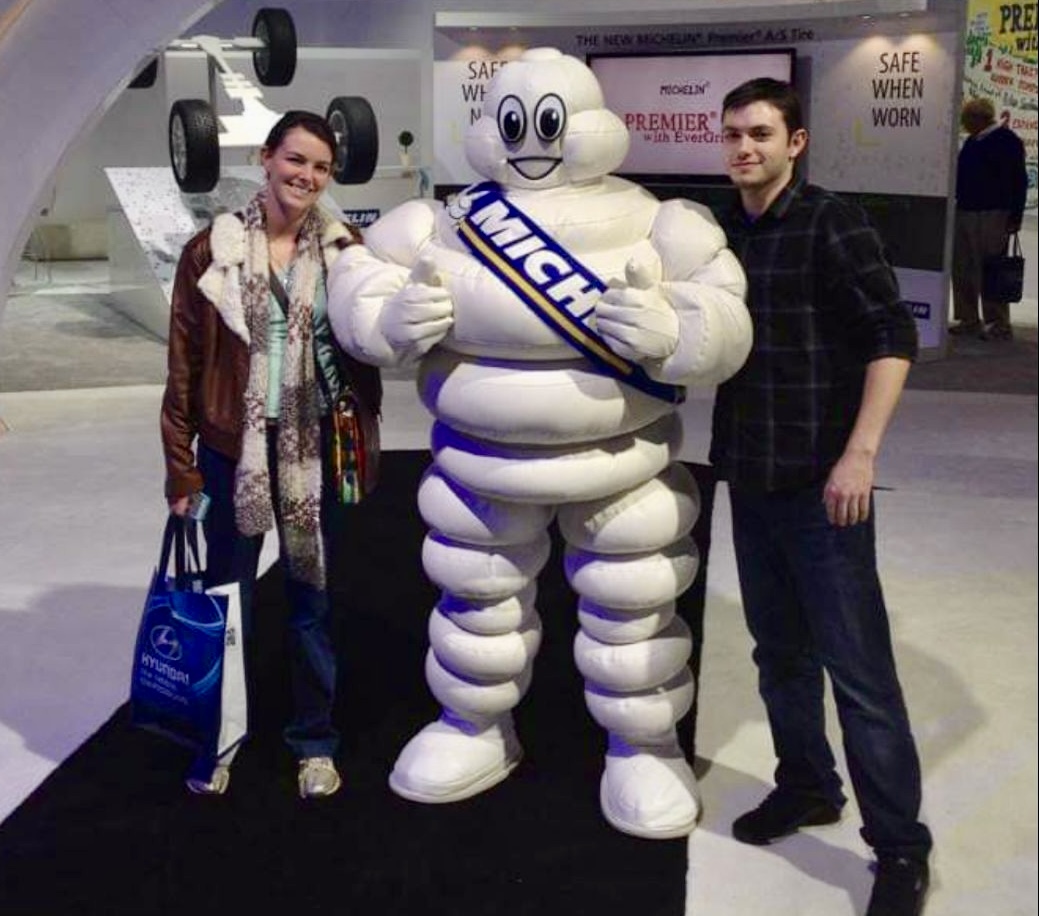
<point>672,106</point>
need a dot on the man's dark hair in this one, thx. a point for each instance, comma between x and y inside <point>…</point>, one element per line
<point>775,92</point>
<point>311,122</point>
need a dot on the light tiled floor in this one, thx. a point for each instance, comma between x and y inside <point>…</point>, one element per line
<point>80,505</point>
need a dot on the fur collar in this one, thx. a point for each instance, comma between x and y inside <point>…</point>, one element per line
<point>221,283</point>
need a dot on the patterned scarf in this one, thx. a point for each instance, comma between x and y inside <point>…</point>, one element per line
<point>299,438</point>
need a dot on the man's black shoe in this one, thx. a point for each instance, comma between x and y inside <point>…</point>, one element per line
<point>783,813</point>
<point>899,887</point>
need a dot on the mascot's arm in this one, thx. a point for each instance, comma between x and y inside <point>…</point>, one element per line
<point>705,284</point>
<point>386,304</point>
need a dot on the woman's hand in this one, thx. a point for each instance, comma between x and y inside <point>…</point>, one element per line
<point>179,505</point>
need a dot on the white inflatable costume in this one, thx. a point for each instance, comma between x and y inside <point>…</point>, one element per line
<point>527,429</point>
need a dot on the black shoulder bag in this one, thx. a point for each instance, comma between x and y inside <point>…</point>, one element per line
<point>1003,275</point>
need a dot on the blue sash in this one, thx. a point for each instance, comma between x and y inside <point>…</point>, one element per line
<point>560,290</point>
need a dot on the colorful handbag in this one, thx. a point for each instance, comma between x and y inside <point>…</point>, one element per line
<point>354,441</point>
<point>349,450</point>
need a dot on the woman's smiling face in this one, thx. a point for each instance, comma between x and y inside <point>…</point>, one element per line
<point>298,170</point>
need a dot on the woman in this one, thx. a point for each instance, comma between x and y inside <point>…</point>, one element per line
<point>251,378</point>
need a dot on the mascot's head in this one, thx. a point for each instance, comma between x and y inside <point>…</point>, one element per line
<point>543,125</point>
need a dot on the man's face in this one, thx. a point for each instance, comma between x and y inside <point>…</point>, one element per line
<point>759,150</point>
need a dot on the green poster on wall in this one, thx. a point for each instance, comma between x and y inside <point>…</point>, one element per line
<point>1001,49</point>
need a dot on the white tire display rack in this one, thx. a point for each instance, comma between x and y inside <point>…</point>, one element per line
<point>197,133</point>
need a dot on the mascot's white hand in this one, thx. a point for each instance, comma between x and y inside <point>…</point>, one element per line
<point>416,318</point>
<point>635,319</point>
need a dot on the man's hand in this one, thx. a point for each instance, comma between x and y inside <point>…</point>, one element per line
<point>850,483</point>
<point>635,319</point>
<point>416,319</point>
<point>847,491</point>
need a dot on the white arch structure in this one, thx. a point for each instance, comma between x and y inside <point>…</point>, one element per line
<point>61,66</point>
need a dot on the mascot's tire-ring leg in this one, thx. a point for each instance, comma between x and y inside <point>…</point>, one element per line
<point>629,557</point>
<point>484,634</point>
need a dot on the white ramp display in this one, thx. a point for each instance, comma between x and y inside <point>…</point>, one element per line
<point>155,221</point>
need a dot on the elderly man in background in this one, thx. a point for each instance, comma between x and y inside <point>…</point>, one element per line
<point>991,183</point>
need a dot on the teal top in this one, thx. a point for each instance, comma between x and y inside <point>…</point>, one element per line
<point>324,346</point>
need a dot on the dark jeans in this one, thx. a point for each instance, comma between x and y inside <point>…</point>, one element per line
<point>813,602</point>
<point>233,557</point>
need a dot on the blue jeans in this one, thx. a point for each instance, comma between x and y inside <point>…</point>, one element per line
<point>233,557</point>
<point>813,602</point>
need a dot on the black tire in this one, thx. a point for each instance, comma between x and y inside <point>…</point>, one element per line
<point>146,78</point>
<point>194,145</point>
<point>357,139</point>
<point>275,65</point>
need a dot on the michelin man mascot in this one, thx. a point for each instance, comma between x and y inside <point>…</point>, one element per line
<point>555,312</point>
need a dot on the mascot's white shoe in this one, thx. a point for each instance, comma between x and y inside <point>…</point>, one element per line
<point>649,791</point>
<point>452,759</point>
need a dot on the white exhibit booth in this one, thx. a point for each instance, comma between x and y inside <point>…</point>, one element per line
<point>882,87</point>
<point>150,217</point>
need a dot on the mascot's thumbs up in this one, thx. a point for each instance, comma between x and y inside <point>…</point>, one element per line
<point>420,314</point>
<point>635,318</point>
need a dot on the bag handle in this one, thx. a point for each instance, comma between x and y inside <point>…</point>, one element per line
<point>181,535</point>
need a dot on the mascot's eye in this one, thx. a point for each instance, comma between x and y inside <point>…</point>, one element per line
<point>550,118</point>
<point>512,119</point>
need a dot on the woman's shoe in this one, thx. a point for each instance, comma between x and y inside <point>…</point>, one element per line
<point>318,777</point>
<point>216,784</point>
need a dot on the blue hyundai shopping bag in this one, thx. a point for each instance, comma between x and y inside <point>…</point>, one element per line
<point>188,673</point>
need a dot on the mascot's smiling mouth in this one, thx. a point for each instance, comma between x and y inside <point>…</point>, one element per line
<point>534,168</point>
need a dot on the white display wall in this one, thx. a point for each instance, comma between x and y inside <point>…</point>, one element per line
<point>881,107</point>
<point>883,114</point>
<point>881,98</point>
<point>884,119</point>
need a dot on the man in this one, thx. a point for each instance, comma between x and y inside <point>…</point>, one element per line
<point>991,185</point>
<point>795,435</point>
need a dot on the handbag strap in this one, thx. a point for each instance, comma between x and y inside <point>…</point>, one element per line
<point>282,298</point>
<point>279,294</point>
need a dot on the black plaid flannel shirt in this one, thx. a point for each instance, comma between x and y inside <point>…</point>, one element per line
<point>824,302</point>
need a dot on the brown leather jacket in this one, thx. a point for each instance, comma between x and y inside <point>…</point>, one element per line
<point>207,371</point>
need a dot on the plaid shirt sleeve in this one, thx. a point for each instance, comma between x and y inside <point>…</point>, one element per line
<point>825,302</point>
<point>860,279</point>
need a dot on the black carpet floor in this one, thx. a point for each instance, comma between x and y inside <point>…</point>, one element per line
<point>113,831</point>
